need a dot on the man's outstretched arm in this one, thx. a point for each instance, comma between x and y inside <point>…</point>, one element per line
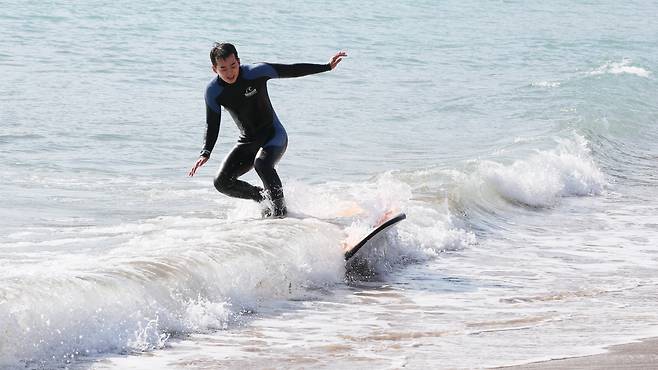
<point>304,69</point>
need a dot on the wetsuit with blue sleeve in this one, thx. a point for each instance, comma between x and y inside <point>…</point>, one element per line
<point>263,140</point>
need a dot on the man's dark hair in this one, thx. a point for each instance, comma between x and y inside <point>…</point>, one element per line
<point>222,50</point>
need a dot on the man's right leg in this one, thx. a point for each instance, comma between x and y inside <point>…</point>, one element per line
<point>268,156</point>
<point>238,162</point>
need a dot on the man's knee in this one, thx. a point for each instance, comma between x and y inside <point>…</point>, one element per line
<point>223,183</point>
<point>262,167</point>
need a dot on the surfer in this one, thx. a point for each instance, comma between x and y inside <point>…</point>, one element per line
<point>242,91</point>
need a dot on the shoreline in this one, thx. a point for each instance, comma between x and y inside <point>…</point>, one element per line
<point>642,354</point>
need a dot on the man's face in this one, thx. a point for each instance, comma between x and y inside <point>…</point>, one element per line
<point>228,69</point>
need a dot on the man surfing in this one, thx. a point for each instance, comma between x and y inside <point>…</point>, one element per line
<point>242,91</point>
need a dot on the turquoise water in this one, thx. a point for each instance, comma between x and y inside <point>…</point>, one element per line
<point>519,139</point>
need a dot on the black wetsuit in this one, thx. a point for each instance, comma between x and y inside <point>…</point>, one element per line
<point>263,140</point>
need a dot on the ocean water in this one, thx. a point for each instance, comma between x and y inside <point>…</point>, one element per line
<point>518,137</point>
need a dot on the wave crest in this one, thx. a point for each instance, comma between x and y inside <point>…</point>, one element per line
<point>545,177</point>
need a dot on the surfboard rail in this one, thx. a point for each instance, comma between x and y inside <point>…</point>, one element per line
<point>388,223</point>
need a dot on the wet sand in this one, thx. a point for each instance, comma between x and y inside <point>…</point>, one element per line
<point>639,355</point>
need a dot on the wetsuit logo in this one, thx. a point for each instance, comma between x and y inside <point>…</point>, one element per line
<point>250,92</point>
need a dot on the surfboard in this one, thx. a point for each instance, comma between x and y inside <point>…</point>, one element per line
<point>381,228</point>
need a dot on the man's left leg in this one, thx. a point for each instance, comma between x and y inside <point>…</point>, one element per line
<point>238,162</point>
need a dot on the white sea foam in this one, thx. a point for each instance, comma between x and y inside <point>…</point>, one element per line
<point>180,279</point>
<point>625,66</point>
<point>544,177</point>
<point>549,84</point>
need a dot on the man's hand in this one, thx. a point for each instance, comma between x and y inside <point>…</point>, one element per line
<point>199,162</point>
<point>336,59</point>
